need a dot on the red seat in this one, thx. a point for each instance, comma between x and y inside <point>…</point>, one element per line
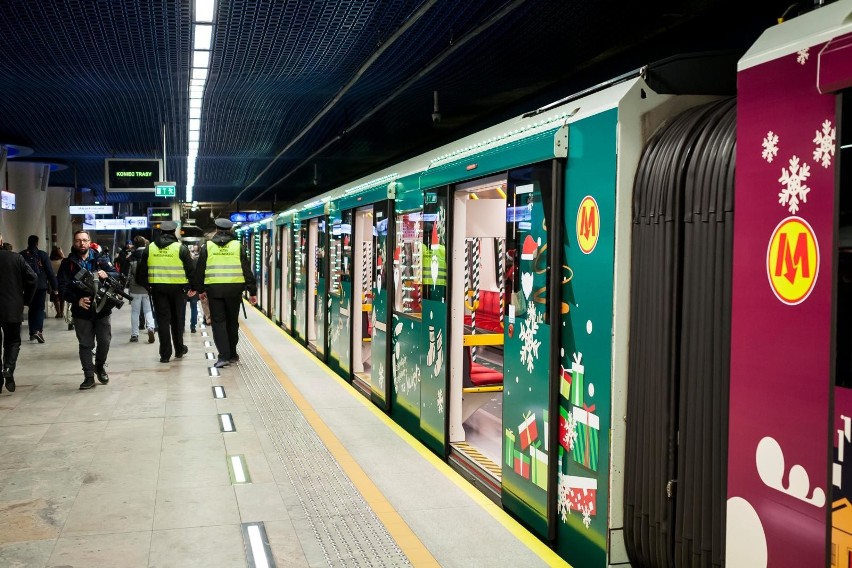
<point>481,376</point>
<point>488,312</point>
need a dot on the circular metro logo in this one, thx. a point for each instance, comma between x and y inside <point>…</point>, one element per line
<point>588,224</point>
<point>792,260</point>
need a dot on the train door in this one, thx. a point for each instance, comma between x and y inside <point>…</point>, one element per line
<point>477,307</point>
<point>362,298</point>
<point>285,313</point>
<point>316,264</point>
<point>263,275</point>
<point>268,272</point>
<point>529,335</point>
<point>434,338</point>
<point>300,281</point>
<point>379,371</point>
<point>340,292</point>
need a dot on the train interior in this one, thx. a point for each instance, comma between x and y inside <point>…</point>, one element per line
<point>285,307</point>
<point>478,277</point>
<point>363,270</point>
<point>316,285</point>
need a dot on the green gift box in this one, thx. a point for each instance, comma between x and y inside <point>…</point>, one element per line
<point>586,448</point>
<point>509,448</point>
<point>539,466</point>
<point>577,378</point>
<point>564,383</point>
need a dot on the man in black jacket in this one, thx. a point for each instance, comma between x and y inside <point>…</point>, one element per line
<point>39,262</point>
<point>166,269</point>
<point>222,273</point>
<point>90,324</point>
<point>17,284</point>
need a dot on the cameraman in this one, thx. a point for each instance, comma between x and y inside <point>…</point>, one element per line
<point>89,324</point>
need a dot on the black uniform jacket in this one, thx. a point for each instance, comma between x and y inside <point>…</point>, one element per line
<point>17,286</point>
<point>222,238</point>
<point>72,292</point>
<point>164,240</point>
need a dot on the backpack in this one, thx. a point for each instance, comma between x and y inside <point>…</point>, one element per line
<point>34,260</point>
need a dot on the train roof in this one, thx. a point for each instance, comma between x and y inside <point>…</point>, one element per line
<point>815,27</point>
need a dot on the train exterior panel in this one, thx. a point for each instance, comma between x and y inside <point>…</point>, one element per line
<point>501,269</point>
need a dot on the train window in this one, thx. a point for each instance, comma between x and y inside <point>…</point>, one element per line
<point>843,321</point>
<point>434,258</point>
<point>407,263</point>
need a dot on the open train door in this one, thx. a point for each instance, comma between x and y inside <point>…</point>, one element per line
<point>285,288</point>
<point>340,291</point>
<point>533,195</point>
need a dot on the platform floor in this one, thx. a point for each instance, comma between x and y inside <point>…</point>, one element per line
<point>140,472</point>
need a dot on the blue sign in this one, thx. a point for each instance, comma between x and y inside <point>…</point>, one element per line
<point>249,217</point>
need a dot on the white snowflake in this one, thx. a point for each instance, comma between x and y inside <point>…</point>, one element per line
<point>825,144</point>
<point>587,515</point>
<point>795,191</point>
<point>570,431</point>
<point>440,401</point>
<point>529,328</point>
<point>802,56</point>
<point>562,503</point>
<point>770,146</point>
<point>381,377</point>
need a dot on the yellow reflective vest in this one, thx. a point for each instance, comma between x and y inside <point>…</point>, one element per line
<point>224,264</point>
<point>165,265</point>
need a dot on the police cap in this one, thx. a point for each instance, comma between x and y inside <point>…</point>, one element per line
<point>223,223</point>
<point>168,226</point>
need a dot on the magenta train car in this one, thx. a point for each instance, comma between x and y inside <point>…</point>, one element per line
<point>789,424</point>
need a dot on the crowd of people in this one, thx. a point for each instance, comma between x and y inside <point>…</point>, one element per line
<point>158,278</point>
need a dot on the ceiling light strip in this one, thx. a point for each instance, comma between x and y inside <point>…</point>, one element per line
<point>204,14</point>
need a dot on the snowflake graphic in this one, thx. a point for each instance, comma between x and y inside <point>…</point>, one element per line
<point>795,191</point>
<point>562,503</point>
<point>381,377</point>
<point>440,401</point>
<point>529,328</point>
<point>770,146</point>
<point>587,515</point>
<point>570,431</point>
<point>825,144</point>
<point>802,56</point>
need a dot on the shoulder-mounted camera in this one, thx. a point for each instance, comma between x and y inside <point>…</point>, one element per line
<point>107,293</point>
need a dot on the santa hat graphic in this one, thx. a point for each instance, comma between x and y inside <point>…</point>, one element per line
<point>528,252</point>
<point>435,242</point>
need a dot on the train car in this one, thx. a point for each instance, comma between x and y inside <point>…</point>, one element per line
<point>578,311</point>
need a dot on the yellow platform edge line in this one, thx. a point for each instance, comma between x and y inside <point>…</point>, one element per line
<point>536,546</point>
<point>406,539</point>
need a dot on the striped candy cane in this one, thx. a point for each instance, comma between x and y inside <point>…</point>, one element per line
<point>501,275</point>
<point>366,271</point>
<point>476,265</point>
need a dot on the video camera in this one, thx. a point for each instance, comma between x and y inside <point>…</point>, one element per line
<point>107,293</point>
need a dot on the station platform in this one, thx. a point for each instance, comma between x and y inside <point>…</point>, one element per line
<point>291,467</point>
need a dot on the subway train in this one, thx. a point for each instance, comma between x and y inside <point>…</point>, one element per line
<point>588,310</point>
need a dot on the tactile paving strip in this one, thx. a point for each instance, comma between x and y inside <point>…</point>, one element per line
<point>347,530</point>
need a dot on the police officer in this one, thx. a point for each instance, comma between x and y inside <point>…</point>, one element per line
<point>166,269</point>
<point>222,273</point>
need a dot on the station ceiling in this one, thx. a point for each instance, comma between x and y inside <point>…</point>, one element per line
<point>304,95</point>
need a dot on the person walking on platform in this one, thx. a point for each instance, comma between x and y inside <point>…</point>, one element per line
<point>56,256</point>
<point>141,302</point>
<point>40,264</point>
<point>166,268</point>
<point>222,273</point>
<point>17,285</point>
<point>90,325</point>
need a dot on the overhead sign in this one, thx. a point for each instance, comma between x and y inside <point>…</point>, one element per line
<point>136,222</point>
<point>129,175</point>
<point>91,209</point>
<point>253,217</point>
<point>159,214</point>
<point>165,189</point>
<point>109,225</point>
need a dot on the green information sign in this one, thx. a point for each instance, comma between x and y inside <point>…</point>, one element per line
<point>165,189</point>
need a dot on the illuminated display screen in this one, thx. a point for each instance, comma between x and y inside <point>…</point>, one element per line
<point>132,175</point>
<point>8,200</point>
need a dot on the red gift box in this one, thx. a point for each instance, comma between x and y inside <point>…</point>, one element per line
<point>582,494</point>
<point>528,431</point>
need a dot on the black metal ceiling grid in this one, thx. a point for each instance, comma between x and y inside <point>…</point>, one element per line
<point>84,80</point>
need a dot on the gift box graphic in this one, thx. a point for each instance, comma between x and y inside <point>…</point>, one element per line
<point>563,428</point>
<point>539,466</point>
<point>522,464</point>
<point>509,447</point>
<point>577,378</point>
<point>565,383</point>
<point>546,429</point>
<point>528,431</point>
<point>582,493</point>
<point>585,450</point>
